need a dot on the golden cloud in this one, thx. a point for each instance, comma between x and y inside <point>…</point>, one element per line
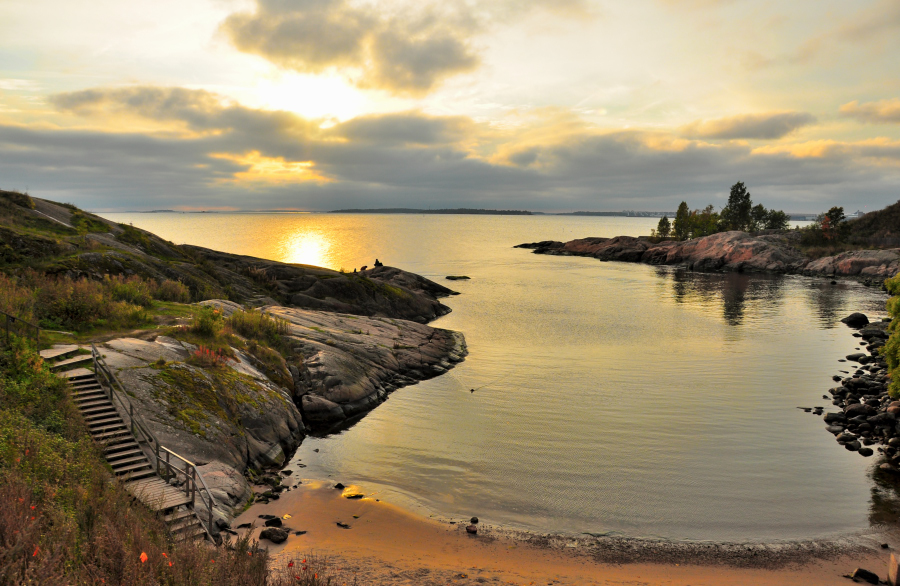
<point>873,112</point>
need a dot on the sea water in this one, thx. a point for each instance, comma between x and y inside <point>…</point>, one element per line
<point>609,397</point>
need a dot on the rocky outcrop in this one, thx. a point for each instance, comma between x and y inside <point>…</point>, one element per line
<point>224,419</point>
<point>351,363</point>
<point>729,252</point>
<point>869,264</point>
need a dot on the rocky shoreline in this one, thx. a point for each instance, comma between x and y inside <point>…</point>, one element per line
<point>868,415</point>
<point>766,252</point>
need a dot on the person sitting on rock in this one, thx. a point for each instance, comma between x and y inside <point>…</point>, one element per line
<point>378,263</point>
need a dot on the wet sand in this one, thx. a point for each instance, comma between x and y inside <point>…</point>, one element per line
<point>388,545</point>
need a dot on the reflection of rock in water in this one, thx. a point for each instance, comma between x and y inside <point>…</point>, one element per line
<point>733,290</point>
<point>885,506</point>
<point>827,301</point>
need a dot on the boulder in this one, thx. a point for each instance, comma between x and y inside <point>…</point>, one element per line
<point>865,575</point>
<point>856,320</point>
<point>856,410</point>
<point>274,534</point>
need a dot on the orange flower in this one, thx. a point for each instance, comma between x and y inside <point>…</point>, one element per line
<point>144,557</point>
<point>36,548</point>
<point>170,564</point>
<point>291,564</point>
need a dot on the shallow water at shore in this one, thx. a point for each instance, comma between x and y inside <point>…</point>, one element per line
<point>609,397</point>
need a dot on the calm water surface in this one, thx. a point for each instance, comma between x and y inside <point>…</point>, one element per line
<point>610,397</point>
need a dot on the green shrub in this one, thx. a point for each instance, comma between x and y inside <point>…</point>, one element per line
<point>134,289</point>
<point>256,325</point>
<point>208,321</point>
<point>173,291</point>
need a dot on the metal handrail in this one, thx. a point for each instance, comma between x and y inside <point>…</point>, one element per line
<point>11,319</point>
<point>138,428</point>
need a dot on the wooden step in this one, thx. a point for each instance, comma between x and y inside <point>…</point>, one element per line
<point>82,359</point>
<point>192,536</point>
<point>96,410</point>
<point>114,448</point>
<point>157,494</point>
<point>185,524</point>
<point>131,468</point>
<point>112,434</point>
<point>129,460</point>
<point>76,374</point>
<point>85,384</point>
<point>141,474</point>
<point>95,402</point>
<point>115,456</point>
<point>177,516</point>
<point>114,421</point>
<point>61,351</point>
<point>88,395</point>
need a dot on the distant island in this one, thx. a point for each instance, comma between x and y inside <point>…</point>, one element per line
<point>442,211</point>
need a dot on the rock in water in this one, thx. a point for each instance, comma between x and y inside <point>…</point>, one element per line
<point>274,534</point>
<point>865,452</point>
<point>472,530</point>
<point>474,520</point>
<point>856,320</point>
<point>276,522</point>
<point>866,575</point>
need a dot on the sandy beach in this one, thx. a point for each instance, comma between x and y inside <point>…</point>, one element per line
<point>387,545</point>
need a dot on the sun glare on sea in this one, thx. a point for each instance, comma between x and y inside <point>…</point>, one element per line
<point>308,247</point>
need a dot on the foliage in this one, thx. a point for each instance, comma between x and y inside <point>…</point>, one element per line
<point>259,326</point>
<point>828,229</point>
<point>133,289</point>
<point>891,349</point>
<point>173,291</point>
<point>208,321</point>
<point>85,223</point>
<point>681,228</point>
<point>19,198</point>
<point>664,228</point>
<point>61,519</point>
<point>737,213</point>
<point>206,358</point>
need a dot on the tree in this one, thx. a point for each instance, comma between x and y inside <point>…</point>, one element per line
<point>704,222</point>
<point>777,220</point>
<point>736,215</point>
<point>681,228</point>
<point>758,216</point>
<point>833,223</point>
<point>664,228</point>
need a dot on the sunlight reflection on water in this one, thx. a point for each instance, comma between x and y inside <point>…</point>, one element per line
<point>617,397</point>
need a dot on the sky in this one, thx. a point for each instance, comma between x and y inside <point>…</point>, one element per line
<point>546,105</point>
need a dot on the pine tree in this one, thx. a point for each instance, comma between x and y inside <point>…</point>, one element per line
<point>737,214</point>
<point>664,228</point>
<point>681,228</point>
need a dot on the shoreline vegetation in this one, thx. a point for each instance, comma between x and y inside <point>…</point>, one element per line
<point>236,359</point>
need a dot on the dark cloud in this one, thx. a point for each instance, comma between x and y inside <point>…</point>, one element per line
<point>411,159</point>
<point>409,54</point>
<point>749,126</point>
<point>883,111</point>
<point>406,128</point>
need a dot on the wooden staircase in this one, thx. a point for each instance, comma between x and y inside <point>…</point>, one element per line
<point>124,454</point>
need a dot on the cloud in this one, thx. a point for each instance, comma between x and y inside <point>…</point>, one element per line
<point>403,54</point>
<point>870,25</point>
<point>749,126</point>
<point>231,155</point>
<point>405,128</point>
<point>882,111</point>
<point>405,49</point>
